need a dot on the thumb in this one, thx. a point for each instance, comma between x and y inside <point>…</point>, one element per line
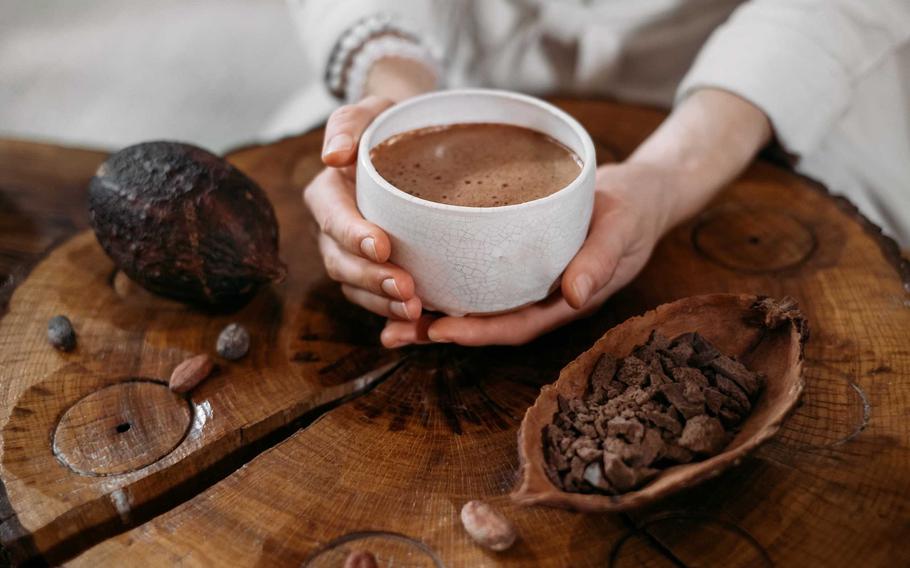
<point>593,266</point>
<point>344,127</point>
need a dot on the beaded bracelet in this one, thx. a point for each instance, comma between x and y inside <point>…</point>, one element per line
<point>368,41</point>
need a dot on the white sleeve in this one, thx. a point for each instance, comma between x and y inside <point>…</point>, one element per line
<point>320,23</point>
<point>798,60</point>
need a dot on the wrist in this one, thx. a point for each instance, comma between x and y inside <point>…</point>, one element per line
<point>703,145</point>
<point>397,78</point>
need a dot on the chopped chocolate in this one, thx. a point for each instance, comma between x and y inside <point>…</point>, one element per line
<point>632,371</point>
<point>737,398</point>
<point>676,394</point>
<point>731,368</point>
<point>703,435</point>
<point>620,475</point>
<point>714,399</point>
<point>679,353</point>
<point>629,428</point>
<point>689,375</point>
<point>667,403</point>
<point>663,420</point>
<point>603,386</point>
<point>674,454</point>
<point>657,373</point>
<point>652,444</point>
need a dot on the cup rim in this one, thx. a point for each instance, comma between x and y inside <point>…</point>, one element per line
<point>588,160</point>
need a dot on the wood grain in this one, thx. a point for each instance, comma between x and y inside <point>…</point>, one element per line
<point>389,470</point>
<point>127,336</point>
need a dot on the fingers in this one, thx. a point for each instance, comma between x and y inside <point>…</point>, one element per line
<point>382,305</point>
<point>378,278</point>
<point>397,333</point>
<point>514,328</point>
<point>594,265</point>
<point>330,198</point>
<point>344,127</point>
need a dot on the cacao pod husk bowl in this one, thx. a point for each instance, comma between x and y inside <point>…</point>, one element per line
<point>767,335</point>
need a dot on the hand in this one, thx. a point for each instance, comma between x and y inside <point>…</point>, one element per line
<point>355,251</point>
<point>631,211</point>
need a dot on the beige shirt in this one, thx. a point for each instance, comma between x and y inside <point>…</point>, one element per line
<point>832,75</point>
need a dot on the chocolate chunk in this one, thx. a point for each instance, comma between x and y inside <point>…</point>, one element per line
<point>629,428</point>
<point>585,448</point>
<point>689,375</point>
<point>729,417</point>
<point>663,420</point>
<point>587,430</point>
<point>675,394</point>
<point>656,374</point>
<point>739,402</point>
<point>658,341</point>
<point>714,399</point>
<point>652,444</point>
<point>620,476</point>
<point>604,370</point>
<point>676,454</point>
<point>750,382</point>
<point>575,475</point>
<point>703,435</point>
<point>603,386</point>
<point>705,352</point>
<point>632,371</point>
<point>638,396</point>
<point>679,353</point>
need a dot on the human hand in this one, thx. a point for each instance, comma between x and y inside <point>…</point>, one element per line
<point>632,206</point>
<point>356,252</point>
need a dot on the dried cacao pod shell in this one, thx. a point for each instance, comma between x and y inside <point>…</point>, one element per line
<point>184,223</point>
<point>766,334</point>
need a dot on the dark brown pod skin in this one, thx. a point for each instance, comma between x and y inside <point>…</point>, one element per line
<point>184,223</point>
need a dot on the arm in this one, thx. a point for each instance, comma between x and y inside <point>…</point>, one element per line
<point>798,60</point>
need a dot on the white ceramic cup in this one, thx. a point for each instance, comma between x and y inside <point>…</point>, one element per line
<point>479,260</point>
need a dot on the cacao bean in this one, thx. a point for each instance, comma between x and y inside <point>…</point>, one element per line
<point>190,373</point>
<point>233,342</point>
<point>360,559</point>
<point>486,526</point>
<point>60,333</point>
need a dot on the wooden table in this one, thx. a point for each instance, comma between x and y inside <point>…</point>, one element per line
<point>321,442</point>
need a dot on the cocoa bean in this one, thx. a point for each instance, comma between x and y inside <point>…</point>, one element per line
<point>60,333</point>
<point>487,527</point>
<point>233,342</point>
<point>360,559</point>
<point>190,373</point>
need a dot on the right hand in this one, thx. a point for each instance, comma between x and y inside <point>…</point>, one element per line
<point>355,251</point>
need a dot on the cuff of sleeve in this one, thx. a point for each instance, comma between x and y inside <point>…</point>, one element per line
<point>800,87</point>
<point>321,23</point>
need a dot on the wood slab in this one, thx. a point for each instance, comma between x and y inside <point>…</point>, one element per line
<point>388,470</point>
<point>94,442</point>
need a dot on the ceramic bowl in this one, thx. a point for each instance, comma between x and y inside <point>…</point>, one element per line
<point>479,260</point>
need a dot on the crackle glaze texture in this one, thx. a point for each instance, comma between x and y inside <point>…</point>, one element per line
<point>475,260</point>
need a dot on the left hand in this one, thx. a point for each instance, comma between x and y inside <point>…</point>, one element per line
<point>632,208</point>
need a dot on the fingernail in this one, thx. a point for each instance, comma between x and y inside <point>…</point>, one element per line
<point>368,247</point>
<point>582,287</point>
<point>338,143</point>
<point>391,288</point>
<point>436,338</point>
<point>399,309</point>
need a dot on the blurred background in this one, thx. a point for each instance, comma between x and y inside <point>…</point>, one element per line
<point>107,73</point>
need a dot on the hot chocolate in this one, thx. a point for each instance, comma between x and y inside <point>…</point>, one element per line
<point>476,164</point>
